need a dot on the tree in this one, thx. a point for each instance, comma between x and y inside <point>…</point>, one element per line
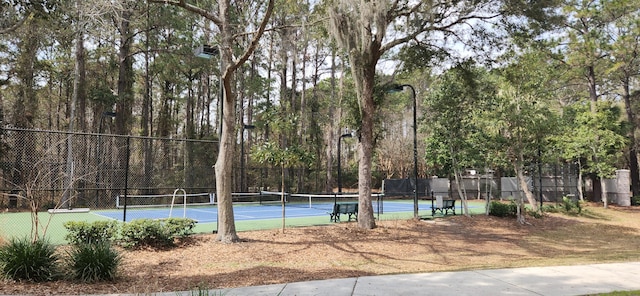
<point>361,29</point>
<point>523,117</point>
<point>281,152</point>
<point>595,140</point>
<point>230,64</point>
<point>455,140</point>
<point>625,67</point>
<point>16,12</point>
<point>282,157</point>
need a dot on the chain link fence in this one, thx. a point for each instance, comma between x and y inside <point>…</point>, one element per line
<point>47,169</point>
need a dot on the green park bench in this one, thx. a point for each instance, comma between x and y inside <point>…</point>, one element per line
<point>346,208</point>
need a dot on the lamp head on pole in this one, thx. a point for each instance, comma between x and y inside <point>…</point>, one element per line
<point>394,88</point>
<point>206,51</point>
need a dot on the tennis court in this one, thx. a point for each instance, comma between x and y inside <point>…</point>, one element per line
<point>271,210</point>
<point>249,215</point>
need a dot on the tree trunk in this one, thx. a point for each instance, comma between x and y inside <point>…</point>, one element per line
<point>580,182</point>
<point>365,149</point>
<point>224,168</point>
<point>125,77</point>
<point>125,97</point>
<point>593,98</point>
<point>461,191</point>
<point>605,199</point>
<point>190,133</point>
<point>146,121</point>
<point>330,133</point>
<point>25,108</point>
<point>224,163</point>
<point>523,184</point>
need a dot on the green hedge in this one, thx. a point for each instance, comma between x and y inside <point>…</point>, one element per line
<point>139,232</point>
<point>155,233</point>
<point>80,232</point>
<point>500,209</point>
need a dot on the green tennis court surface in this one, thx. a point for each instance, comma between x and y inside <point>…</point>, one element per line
<point>248,217</point>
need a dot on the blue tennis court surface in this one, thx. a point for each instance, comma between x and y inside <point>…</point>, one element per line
<point>205,214</point>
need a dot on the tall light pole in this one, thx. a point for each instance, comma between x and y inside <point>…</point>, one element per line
<point>242,161</point>
<point>397,88</point>
<point>339,166</point>
<point>207,52</point>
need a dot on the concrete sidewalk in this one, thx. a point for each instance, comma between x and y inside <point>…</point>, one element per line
<point>555,280</point>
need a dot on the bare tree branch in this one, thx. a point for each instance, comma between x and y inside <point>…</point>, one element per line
<point>16,25</point>
<point>192,8</point>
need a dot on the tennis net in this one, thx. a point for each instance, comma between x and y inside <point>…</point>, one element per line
<point>315,201</point>
<point>164,200</point>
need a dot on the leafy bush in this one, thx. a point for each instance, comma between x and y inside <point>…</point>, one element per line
<point>550,209</point>
<point>155,233</point>
<point>81,232</point>
<point>500,209</point>
<point>568,206</point>
<point>571,206</point>
<point>22,259</point>
<point>179,227</point>
<point>92,262</point>
<point>635,200</point>
<point>534,214</point>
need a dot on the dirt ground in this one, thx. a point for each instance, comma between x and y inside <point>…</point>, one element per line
<point>342,250</point>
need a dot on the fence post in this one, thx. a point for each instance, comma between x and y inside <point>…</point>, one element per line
<point>126,180</point>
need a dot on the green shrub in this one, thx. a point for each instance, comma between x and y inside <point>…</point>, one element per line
<point>571,206</point>
<point>22,259</point>
<point>500,209</point>
<point>179,227</point>
<point>635,200</point>
<point>81,232</point>
<point>550,209</point>
<point>534,214</point>
<point>94,262</point>
<point>155,233</point>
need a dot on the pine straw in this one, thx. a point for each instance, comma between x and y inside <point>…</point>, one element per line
<point>342,250</point>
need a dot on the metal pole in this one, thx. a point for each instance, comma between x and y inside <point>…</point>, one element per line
<point>415,143</point>
<point>415,151</point>
<point>242,160</point>
<point>540,175</point>
<point>339,168</point>
<point>126,180</point>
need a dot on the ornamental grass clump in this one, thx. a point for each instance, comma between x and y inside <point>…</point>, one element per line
<point>23,259</point>
<point>93,262</point>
